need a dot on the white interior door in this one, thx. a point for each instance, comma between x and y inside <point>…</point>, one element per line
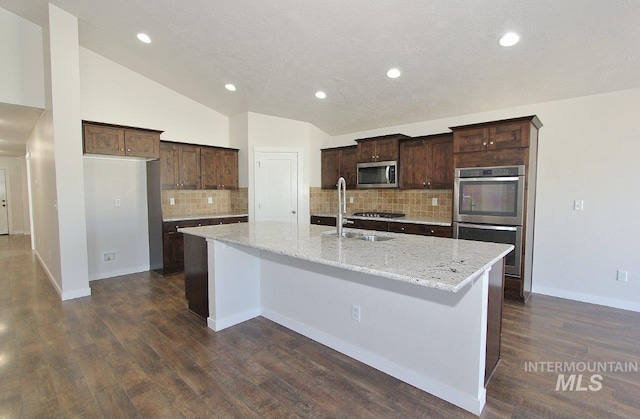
<point>4,210</point>
<point>276,180</point>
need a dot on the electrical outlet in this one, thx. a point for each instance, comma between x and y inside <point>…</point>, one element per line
<point>109,256</point>
<point>172,201</point>
<point>622,276</point>
<point>578,205</point>
<point>351,200</point>
<point>355,312</point>
<point>434,202</point>
<point>209,200</point>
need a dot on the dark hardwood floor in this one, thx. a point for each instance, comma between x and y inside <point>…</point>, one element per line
<point>133,350</point>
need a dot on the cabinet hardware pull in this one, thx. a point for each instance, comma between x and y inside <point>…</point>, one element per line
<point>402,228</point>
<point>484,143</point>
<point>433,232</point>
<point>490,142</point>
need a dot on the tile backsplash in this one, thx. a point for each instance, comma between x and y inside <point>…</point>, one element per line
<point>195,203</point>
<point>413,203</point>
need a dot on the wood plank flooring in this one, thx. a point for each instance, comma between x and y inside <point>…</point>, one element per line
<point>132,349</point>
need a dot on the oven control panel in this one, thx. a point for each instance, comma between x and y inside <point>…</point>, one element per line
<point>478,172</point>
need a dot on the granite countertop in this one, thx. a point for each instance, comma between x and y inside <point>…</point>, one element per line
<point>444,264</point>
<point>203,217</point>
<point>413,220</point>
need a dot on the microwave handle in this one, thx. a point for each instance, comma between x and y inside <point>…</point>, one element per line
<point>387,173</point>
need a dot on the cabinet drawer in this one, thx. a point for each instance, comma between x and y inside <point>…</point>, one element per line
<point>420,229</point>
<point>323,221</point>
<point>173,226</point>
<point>228,220</point>
<point>368,224</point>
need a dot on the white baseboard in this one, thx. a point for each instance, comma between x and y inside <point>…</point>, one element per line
<point>588,298</point>
<point>49,274</point>
<point>424,383</point>
<point>68,295</point>
<point>229,321</point>
<point>118,272</point>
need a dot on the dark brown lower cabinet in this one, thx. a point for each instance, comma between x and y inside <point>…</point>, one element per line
<point>173,241</point>
<point>196,276</point>
<point>494,320</point>
<point>394,226</point>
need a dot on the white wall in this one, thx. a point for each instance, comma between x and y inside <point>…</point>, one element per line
<point>16,194</point>
<point>22,69</point>
<point>264,131</point>
<point>239,138</point>
<point>110,228</point>
<point>114,94</point>
<point>588,150</point>
<point>67,134</point>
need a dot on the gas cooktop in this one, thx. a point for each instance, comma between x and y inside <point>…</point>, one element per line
<point>378,214</point>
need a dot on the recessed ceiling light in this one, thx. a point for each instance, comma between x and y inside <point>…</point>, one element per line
<point>321,95</point>
<point>230,87</point>
<point>394,73</point>
<point>509,39</point>
<point>143,37</point>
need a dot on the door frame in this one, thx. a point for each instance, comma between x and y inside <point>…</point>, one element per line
<point>7,185</point>
<point>303,194</point>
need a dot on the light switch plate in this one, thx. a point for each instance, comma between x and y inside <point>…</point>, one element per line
<point>622,276</point>
<point>434,202</point>
<point>209,200</point>
<point>351,200</point>
<point>172,201</point>
<point>118,202</point>
<point>578,205</point>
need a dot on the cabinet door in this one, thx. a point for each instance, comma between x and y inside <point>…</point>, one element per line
<point>366,151</point>
<point>330,168</point>
<point>387,149</point>
<point>474,139</point>
<point>169,166</point>
<point>142,144</point>
<point>209,162</point>
<point>413,164</point>
<point>228,169</point>
<point>514,135</point>
<point>323,221</point>
<point>440,163</point>
<point>369,224</point>
<point>173,252</point>
<point>103,140</point>
<point>349,166</point>
<point>189,167</point>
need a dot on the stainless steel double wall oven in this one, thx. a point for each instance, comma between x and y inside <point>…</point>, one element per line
<point>489,206</point>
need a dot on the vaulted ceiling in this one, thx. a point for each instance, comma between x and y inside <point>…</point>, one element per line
<point>279,53</point>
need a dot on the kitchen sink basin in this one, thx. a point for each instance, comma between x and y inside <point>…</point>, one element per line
<point>345,234</point>
<point>374,238</point>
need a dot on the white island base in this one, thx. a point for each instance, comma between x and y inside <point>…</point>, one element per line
<point>432,339</point>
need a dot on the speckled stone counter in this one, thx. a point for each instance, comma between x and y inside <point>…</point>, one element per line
<point>415,307</point>
<point>445,264</point>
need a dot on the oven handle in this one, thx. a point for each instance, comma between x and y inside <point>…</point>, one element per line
<point>491,179</point>
<point>488,227</point>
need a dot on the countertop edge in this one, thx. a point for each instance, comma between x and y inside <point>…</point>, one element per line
<point>202,217</point>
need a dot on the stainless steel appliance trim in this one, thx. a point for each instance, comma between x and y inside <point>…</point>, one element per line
<point>388,183</point>
<point>520,169</point>
<point>516,269</point>
<point>518,220</point>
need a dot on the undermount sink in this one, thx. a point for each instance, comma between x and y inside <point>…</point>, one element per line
<point>374,238</point>
<point>359,236</point>
<point>345,234</point>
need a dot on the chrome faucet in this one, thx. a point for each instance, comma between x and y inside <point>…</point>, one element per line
<point>342,205</point>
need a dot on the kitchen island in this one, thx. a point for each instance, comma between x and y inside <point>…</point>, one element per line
<point>413,307</point>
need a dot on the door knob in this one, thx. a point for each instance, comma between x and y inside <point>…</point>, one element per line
<point>293,211</point>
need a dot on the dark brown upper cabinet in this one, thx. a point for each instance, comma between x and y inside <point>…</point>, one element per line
<point>427,162</point>
<point>496,143</point>
<point>187,166</point>
<point>382,148</point>
<point>118,140</point>
<point>219,168</point>
<point>336,162</point>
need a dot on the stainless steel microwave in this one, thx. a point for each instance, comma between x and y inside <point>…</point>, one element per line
<point>381,174</point>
